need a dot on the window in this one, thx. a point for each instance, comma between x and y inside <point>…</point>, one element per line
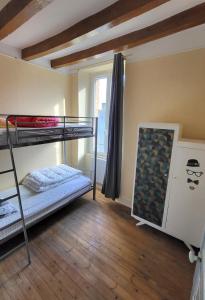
<point>101,101</point>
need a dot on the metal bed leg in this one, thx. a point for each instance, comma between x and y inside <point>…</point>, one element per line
<point>94,192</point>
<point>95,159</point>
<point>64,152</point>
<point>64,143</point>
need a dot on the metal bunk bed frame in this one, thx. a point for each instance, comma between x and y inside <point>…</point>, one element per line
<point>59,137</point>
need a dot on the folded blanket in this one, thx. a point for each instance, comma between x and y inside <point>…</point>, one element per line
<point>21,121</point>
<point>31,122</point>
<point>44,179</point>
<point>7,208</point>
<point>41,122</point>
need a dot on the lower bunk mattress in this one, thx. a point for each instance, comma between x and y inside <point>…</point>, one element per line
<point>37,206</point>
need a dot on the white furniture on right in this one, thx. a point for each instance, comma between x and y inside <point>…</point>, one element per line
<point>186,210</point>
<point>169,183</point>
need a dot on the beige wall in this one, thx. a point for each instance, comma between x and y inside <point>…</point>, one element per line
<point>169,89</point>
<point>81,106</point>
<point>29,89</point>
<point>79,155</point>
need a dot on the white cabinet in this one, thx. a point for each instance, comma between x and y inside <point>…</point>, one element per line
<point>186,210</point>
<point>169,182</point>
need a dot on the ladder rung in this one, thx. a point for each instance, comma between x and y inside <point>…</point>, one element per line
<point>10,224</point>
<point>12,250</point>
<point>6,171</point>
<point>8,198</point>
<point>20,218</point>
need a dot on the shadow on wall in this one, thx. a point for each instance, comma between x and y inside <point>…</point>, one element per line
<point>27,159</point>
<point>58,146</point>
<point>32,157</point>
<point>79,148</point>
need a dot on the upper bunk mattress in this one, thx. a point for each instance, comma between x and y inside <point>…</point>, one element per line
<point>37,205</point>
<point>31,136</point>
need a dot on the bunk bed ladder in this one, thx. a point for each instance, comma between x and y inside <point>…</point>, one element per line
<point>18,195</point>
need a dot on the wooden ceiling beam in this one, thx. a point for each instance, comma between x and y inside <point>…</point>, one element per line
<point>17,12</point>
<point>112,15</point>
<point>187,19</point>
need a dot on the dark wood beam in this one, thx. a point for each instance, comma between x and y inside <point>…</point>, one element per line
<point>192,17</point>
<point>112,15</point>
<point>17,12</point>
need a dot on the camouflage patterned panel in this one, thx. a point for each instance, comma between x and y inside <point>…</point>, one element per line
<point>153,161</point>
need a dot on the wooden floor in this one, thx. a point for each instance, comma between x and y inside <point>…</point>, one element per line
<point>93,250</point>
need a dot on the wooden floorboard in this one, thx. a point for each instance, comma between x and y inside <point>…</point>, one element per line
<point>93,251</point>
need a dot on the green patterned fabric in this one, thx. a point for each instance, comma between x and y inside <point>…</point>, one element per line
<point>152,170</point>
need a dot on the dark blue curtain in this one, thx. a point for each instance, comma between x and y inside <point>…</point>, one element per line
<point>112,179</point>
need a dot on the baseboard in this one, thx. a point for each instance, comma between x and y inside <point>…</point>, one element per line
<point>124,202</point>
<point>119,200</point>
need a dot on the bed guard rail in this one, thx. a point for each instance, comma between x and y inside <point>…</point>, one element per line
<point>25,130</point>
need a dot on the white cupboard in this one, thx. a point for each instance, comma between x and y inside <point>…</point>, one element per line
<point>169,184</point>
<point>186,210</point>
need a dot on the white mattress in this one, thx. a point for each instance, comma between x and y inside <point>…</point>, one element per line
<point>37,205</point>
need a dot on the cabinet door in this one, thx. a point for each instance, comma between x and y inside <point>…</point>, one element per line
<point>186,212</point>
<point>152,171</point>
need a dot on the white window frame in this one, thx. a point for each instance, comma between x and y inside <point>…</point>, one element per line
<point>94,77</point>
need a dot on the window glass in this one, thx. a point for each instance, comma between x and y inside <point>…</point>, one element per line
<point>101,107</point>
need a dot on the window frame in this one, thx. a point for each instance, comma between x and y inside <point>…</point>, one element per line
<point>93,78</point>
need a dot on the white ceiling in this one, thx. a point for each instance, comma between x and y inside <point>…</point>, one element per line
<point>61,14</point>
<point>54,18</point>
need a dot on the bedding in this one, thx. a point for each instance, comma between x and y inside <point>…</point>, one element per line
<point>38,206</point>
<point>34,136</point>
<point>26,121</point>
<point>44,179</point>
<point>34,122</point>
<point>7,208</point>
<point>41,122</point>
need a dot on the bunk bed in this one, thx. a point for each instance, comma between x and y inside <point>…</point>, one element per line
<point>26,130</point>
<point>31,132</point>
